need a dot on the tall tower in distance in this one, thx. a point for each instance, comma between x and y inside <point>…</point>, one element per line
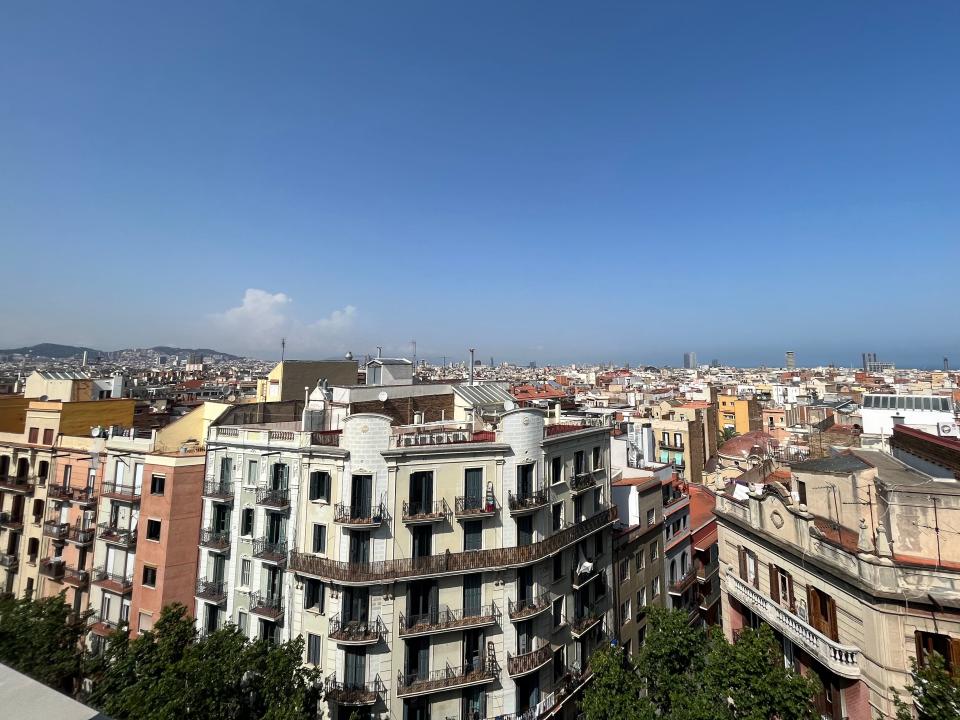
<point>791,360</point>
<point>690,360</point>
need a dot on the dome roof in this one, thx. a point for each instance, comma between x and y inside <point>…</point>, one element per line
<point>751,443</point>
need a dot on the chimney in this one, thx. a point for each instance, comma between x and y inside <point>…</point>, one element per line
<point>471,365</point>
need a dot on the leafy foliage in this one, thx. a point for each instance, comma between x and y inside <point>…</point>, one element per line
<point>42,638</point>
<point>684,673</point>
<point>169,673</point>
<point>934,691</point>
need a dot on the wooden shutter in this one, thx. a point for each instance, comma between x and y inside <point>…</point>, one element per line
<point>790,598</point>
<point>954,658</point>
<point>832,611</point>
<point>774,583</point>
<point>742,554</point>
<point>918,640</point>
<point>314,485</point>
<point>813,606</point>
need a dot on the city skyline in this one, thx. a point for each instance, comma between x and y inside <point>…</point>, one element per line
<point>369,176</point>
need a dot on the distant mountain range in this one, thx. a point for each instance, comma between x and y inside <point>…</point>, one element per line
<point>54,351</point>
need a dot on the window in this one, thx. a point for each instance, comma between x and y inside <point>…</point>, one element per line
<point>651,517</point>
<point>319,538</point>
<point>48,436</point>
<point>556,470</point>
<point>153,530</point>
<point>597,458</point>
<point>598,544</point>
<point>313,595</point>
<point>625,616</point>
<point>320,486</point>
<point>642,636</point>
<point>557,567</point>
<point>946,647</point>
<point>802,492</point>
<point>624,570</point>
<point>749,567</point>
<point>473,535</point>
<point>639,561</point>
<point>252,472</point>
<point>626,648</point>
<point>144,622</point>
<point>579,463</point>
<point>246,521</point>
<point>655,587</point>
<point>242,621</point>
<point>149,576</point>
<point>558,612</point>
<point>557,516</point>
<point>67,471</point>
<point>677,440</point>
<point>641,601</point>
<point>313,649</point>
<point>156,484</point>
<point>781,587</point>
<point>654,551</point>
<point>33,435</point>
<point>226,469</point>
<point>245,573</point>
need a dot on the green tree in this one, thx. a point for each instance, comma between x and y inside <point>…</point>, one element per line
<point>728,433</point>
<point>169,673</point>
<point>934,691</point>
<point>615,691</point>
<point>672,654</point>
<point>43,638</point>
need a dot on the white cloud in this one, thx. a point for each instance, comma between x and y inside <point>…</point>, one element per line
<point>263,317</point>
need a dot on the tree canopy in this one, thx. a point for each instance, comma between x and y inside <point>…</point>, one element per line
<point>684,673</point>
<point>934,691</point>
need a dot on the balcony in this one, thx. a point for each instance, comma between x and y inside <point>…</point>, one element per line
<point>218,490</point>
<point>12,483</point>
<point>528,607</point>
<point>358,516</point>
<point>844,660</point>
<point>267,605</point>
<point>60,492</point>
<point>273,497</point>
<point>469,507</point>
<point>114,535</point>
<point>81,536</point>
<point>355,694</point>
<point>9,561</point>
<point>275,552</point>
<point>584,622</point>
<point>445,620</point>
<point>678,585</point>
<point>326,438</point>
<point>211,591</point>
<point>672,445</point>
<point>356,632</point>
<point>583,481</point>
<point>52,568</point>
<point>216,540</point>
<point>706,571</point>
<point>104,627</point>
<point>422,683</point>
<point>528,502</point>
<point>56,530</point>
<point>710,598</point>
<point>414,436</point>
<point>529,662</point>
<point>113,582</point>
<point>364,573</point>
<point>75,577</point>
<point>10,521</point>
<point>421,514</point>
<point>122,492</point>
<point>582,579</point>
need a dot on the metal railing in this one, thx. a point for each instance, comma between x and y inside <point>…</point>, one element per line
<point>117,535</point>
<point>16,483</point>
<point>360,514</point>
<point>529,661</point>
<point>528,501</point>
<point>56,530</point>
<point>585,619</point>
<point>583,480</point>
<point>326,438</point>
<point>416,683</point>
<point>467,505</point>
<point>360,573</point>
<point>414,512</point>
<point>275,551</point>
<point>211,590</point>
<point>52,568</point>
<point>120,491</point>
<point>82,536</point>
<point>446,618</point>
<point>218,489</point>
<point>274,497</point>
<point>121,583</point>
<point>75,576</point>
<point>215,539</point>
<point>11,521</point>
<point>527,607</point>
<point>266,604</point>
<point>344,693</point>
<point>678,585</point>
<point>356,631</point>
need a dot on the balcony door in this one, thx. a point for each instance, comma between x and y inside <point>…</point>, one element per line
<point>525,480</point>
<point>280,477</point>
<point>361,496</point>
<point>422,540</point>
<point>823,613</point>
<point>221,518</point>
<point>360,547</point>
<point>472,585</point>
<point>356,600</point>
<point>524,530</point>
<point>271,582</point>
<point>218,568</point>
<point>524,637</point>
<point>473,487</point>
<point>473,649</point>
<point>421,492</point>
<point>354,667</point>
<point>525,584</point>
<point>418,657</point>
<point>275,527</point>
<point>422,599</point>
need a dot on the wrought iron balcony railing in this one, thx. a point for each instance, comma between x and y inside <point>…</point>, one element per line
<point>446,619</point>
<point>356,632</point>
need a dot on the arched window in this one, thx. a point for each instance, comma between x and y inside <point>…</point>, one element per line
<point>673,571</point>
<point>683,564</point>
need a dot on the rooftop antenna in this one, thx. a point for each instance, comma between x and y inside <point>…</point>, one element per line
<point>414,343</point>
<point>471,364</point>
<point>283,348</point>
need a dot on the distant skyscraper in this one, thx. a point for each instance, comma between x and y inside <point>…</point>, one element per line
<point>715,363</point>
<point>791,360</point>
<point>868,359</point>
<point>690,360</point>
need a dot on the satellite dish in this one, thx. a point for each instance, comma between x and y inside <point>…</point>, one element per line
<point>509,405</point>
<point>96,431</point>
<point>382,396</point>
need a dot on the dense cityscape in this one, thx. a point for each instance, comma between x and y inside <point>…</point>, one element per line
<point>457,540</point>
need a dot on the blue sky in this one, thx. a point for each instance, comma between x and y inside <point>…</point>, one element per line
<point>543,181</point>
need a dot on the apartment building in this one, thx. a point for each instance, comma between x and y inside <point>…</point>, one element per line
<point>437,569</point>
<point>681,431</point>
<point>851,563</point>
<point>738,413</point>
<point>41,535</point>
<point>638,551</point>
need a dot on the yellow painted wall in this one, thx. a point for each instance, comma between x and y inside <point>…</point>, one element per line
<point>78,417</point>
<point>192,426</point>
<point>13,413</point>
